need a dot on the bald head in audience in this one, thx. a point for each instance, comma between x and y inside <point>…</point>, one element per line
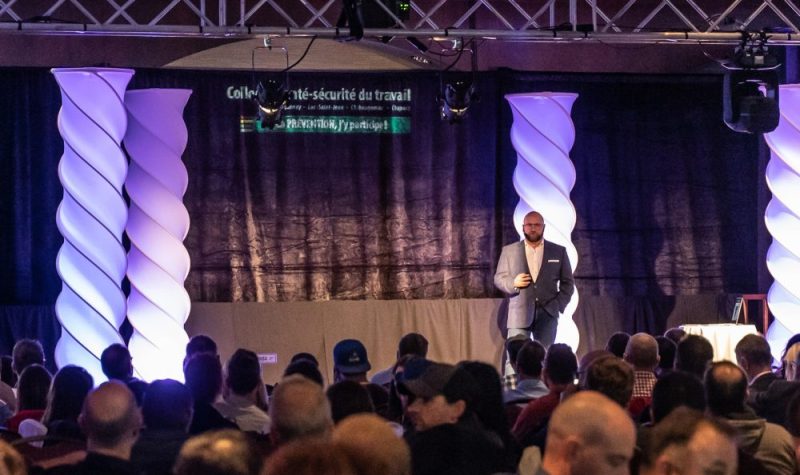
<point>689,443</point>
<point>589,434</point>
<point>642,352</point>
<point>372,445</point>
<point>299,409</point>
<point>111,420</point>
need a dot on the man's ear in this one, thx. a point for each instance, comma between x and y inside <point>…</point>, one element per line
<point>572,447</point>
<point>458,408</point>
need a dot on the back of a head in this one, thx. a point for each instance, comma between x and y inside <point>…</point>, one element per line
<point>591,416</point>
<point>612,377</point>
<point>201,344</point>
<point>675,334</point>
<point>34,385</point>
<point>726,388</point>
<point>315,457</point>
<point>203,374</point>
<point>642,352</point>
<point>299,409</point>
<point>666,352</point>
<point>167,405</point>
<point>305,368</point>
<point>675,389</point>
<point>116,362</point>
<point>350,359</point>
<point>561,364</point>
<point>304,356</point>
<point>530,359</point>
<point>26,352</point>
<point>617,342</point>
<point>693,355</point>
<point>68,390</point>
<point>488,400</point>
<point>11,462</point>
<point>348,398</point>
<point>243,372</point>
<point>513,345</point>
<point>221,452</point>
<point>110,416</point>
<point>755,349</point>
<point>412,344</point>
<point>372,445</point>
<point>676,432</point>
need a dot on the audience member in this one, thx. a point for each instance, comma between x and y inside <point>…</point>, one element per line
<point>117,364</point>
<point>203,374</point>
<point>410,344</point>
<point>65,400</point>
<point>26,352</point>
<point>167,413</point>
<point>611,377</point>
<point>617,343</point>
<point>675,334</point>
<point>299,410</point>
<point>693,355</point>
<point>642,354</point>
<point>754,356</point>
<point>350,363</point>
<point>772,404</point>
<point>793,342</point>
<point>347,398</point>
<point>586,361</point>
<point>305,368</point>
<point>34,384</point>
<point>200,344</point>
<point>304,356</point>
<point>513,345</point>
<point>528,367</point>
<point>560,367</point>
<point>488,406</point>
<point>243,384</point>
<point>111,421</point>
<point>221,452</point>
<point>373,447</point>
<point>770,444</point>
<point>317,457</point>
<point>8,380</point>
<point>688,443</point>
<point>675,389</point>
<point>589,434</point>
<point>666,355</point>
<point>449,438</point>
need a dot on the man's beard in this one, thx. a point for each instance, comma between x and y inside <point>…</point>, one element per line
<point>533,239</point>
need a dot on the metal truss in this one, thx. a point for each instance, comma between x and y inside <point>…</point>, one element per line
<point>647,21</point>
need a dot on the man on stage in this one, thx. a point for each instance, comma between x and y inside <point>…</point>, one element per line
<point>537,277</point>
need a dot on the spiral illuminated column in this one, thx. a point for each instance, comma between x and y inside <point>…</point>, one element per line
<point>92,214</point>
<point>158,263</point>
<point>543,134</point>
<point>783,220</point>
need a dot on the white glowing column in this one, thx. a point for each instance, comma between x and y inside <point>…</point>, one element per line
<point>543,134</point>
<point>783,220</point>
<point>91,217</point>
<point>158,263</point>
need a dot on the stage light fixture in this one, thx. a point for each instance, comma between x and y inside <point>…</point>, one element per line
<point>272,98</point>
<point>750,87</point>
<point>455,99</point>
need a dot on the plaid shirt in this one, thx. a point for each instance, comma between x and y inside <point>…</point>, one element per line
<point>643,382</point>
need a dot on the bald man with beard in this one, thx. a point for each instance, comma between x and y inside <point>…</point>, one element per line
<point>111,421</point>
<point>589,434</point>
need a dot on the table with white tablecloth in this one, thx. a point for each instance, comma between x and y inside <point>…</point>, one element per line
<point>723,337</point>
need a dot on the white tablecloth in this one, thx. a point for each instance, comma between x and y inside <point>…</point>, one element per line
<point>723,337</point>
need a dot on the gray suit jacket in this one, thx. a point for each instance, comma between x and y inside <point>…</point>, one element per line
<point>551,291</point>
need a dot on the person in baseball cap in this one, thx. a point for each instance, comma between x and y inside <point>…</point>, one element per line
<point>441,393</point>
<point>350,360</point>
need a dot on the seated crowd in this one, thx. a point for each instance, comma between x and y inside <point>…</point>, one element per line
<point>642,405</point>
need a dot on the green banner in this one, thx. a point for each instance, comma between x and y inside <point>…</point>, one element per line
<point>332,124</point>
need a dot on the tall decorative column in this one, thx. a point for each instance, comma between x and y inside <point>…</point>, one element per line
<point>92,214</point>
<point>782,218</point>
<point>158,263</point>
<point>543,134</point>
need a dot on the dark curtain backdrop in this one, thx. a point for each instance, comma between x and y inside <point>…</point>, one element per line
<point>667,197</point>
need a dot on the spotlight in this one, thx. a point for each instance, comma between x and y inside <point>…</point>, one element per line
<point>750,87</point>
<point>272,99</point>
<point>455,99</point>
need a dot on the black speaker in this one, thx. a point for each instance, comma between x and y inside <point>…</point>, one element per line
<point>750,100</point>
